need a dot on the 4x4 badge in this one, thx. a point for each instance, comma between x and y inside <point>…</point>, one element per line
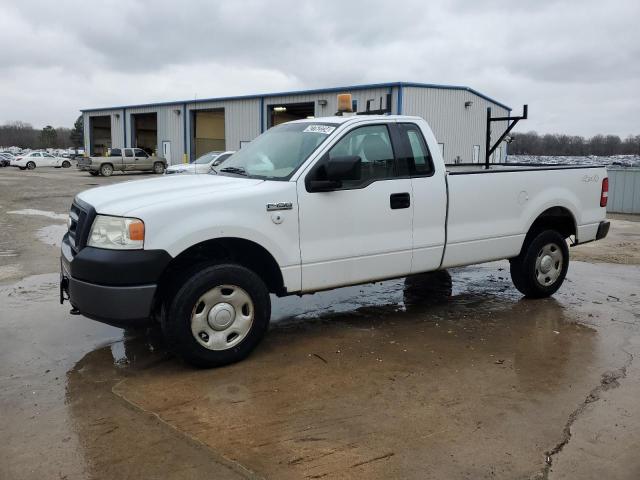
<point>272,207</point>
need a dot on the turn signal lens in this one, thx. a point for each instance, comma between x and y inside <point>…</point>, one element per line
<point>604,194</point>
<point>136,230</point>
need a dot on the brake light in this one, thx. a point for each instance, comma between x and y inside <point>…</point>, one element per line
<point>604,194</point>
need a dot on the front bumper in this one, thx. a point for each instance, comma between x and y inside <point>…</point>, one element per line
<point>120,306</point>
<point>111,286</point>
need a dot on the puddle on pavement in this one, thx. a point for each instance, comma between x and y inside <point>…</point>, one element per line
<point>368,379</point>
<point>52,234</point>
<point>41,213</point>
<point>375,381</point>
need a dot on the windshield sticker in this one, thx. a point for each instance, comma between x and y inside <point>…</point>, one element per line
<point>326,129</point>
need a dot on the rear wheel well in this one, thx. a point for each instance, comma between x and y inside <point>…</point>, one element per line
<point>234,250</point>
<point>558,219</point>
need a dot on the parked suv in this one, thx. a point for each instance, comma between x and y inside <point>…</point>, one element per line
<point>122,160</point>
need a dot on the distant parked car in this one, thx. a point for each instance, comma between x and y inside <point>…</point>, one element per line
<point>40,159</point>
<point>123,160</point>
<point>5,159</point>
<point>201,164</point>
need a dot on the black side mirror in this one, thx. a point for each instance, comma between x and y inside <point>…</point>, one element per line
<point>332,172</point>
<point>344,168</point>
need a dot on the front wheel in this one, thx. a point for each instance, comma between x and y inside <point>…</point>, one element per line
<point>542,266</point>
<point>158,167</point>
<point>218,315</point>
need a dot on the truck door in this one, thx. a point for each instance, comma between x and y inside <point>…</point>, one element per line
<point>429,194</point>
<point>361,231</point>
<point>142,160</point>
<point>128,159</point>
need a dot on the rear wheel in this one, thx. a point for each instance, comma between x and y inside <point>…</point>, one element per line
<point>217,315</point>
<point>31,165</point>
<point>542,266</point>
<point>158,167</point>
<point>66,164</point>
<point>106,170</point>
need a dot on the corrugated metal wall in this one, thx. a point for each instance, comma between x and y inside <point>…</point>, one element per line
<point>457,127</point>
<point>241,120</point>
<point>117,127</point>
<point>360,96</point>
<point>624,190</point>
<point>170,122</point>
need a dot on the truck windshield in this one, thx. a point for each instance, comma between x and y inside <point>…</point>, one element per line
<point>277,153</point>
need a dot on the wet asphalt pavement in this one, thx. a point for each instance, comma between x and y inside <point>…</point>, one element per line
<point>446,375</point>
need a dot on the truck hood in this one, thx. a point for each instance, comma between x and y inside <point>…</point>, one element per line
<point>121,198</point>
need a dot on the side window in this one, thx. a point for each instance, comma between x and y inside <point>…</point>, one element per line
<point>141,153</point>
<point>116,152</point>
<point>128,152</point>
<point>373,145</point>
<point>418,156</point>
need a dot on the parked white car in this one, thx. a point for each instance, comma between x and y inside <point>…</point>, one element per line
<point>40,159</point>
<point>312,205</point>
<point>201,164</point>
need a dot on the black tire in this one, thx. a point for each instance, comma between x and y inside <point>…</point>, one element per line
<point>185,300</point>
<point>31,165</point>
<point>95,174</point>
<point>158,168</point>
<point>106,169</point>
<point>66,164</point>
<point>528,272</point>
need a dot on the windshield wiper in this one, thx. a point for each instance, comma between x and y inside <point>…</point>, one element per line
<point>237,170</point>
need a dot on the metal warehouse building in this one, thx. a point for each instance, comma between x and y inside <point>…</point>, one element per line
<point>187,129</point>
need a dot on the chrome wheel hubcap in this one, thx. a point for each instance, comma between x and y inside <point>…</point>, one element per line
<point>222,317</point>
<point>549,264</point>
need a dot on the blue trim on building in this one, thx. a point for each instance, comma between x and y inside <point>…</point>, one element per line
<point>124,128</point>
<point>311,92</point>
<point>184,131</point>
<point>399,108</point>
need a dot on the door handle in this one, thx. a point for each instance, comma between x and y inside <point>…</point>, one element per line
<point>399,200</point>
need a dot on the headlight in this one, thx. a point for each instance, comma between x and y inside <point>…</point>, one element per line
<point>118,233</point>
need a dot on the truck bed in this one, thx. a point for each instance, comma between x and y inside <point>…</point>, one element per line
<point>488,215</point>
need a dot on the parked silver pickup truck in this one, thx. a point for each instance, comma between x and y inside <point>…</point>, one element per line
<point>122,160</point>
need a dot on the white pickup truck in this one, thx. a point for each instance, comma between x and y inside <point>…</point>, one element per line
<point>312,205</point>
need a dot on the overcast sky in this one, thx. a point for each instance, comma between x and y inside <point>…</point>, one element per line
<point>576,63</point>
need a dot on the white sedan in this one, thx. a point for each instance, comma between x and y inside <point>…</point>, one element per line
<point>39,159</point>
<point>201,164</point>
